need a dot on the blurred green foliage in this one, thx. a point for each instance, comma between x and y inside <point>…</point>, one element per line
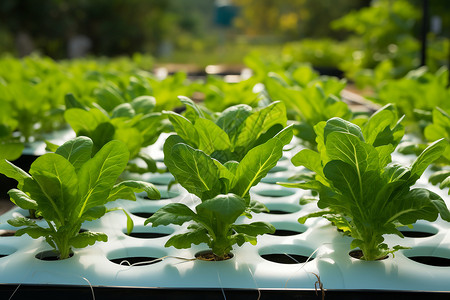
<point>386,36</point>
<point>416,95</point>
<point>292,19</point>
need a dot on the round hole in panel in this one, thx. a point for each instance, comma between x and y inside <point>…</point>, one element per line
<point>288,228</point>
<point>161,179</point>
<point>7,232</point>
<point>143,214</point>
<point>136,256</point>
<point>275,193</point>
<point>274,179</point>
<point>6,250</point>
<point>50,255</point>
<point>282,208</point>
<point>419,230</point>
<point>148,232</point>
<point>358,254</point>
<point>165,195</point>
<point>287,254</point>
<point>208,255</point>
<point>429,255</point>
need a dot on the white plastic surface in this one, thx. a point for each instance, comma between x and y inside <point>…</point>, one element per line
<point>247,269</point>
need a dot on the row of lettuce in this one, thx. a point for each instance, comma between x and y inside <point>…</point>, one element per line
<point>226,140</point>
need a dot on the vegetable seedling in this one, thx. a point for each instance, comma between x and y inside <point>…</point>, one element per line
<point>439,128</point>
<point>133,123</point>
<point>224,193</point>
<point>309,104</point>
<point>229,135</point>
<point>360,191</point>
<point>69,187</point>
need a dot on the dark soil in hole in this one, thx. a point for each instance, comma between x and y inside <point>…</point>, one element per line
<point>416,234</point>
<point>286,258</point>
<point>148,235</point>
<point>278,212</point>
<point>5,232</point>
<point>209,256</point>
<point>143,214</point>
<point>432,260</point>
<point>285,232</point>
<point>50,255</point>
<point>140,260</point>
<point>358,254</point>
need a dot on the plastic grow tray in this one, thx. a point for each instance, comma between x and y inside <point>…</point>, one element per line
<point>287,264</point>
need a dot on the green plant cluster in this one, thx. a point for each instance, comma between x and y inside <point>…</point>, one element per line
<point>361,191</point>
<point>220,148</point>
<point>382,44</point>
<point>69,187</point>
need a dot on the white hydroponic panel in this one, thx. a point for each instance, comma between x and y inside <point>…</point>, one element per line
<point>315,248</point>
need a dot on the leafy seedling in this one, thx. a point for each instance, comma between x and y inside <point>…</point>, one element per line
<point>69,187</point>
<point>224,193</point>
<point>361,191</point>
<point>133,123</point>
<point>309,103</point>
<point>229,135</point>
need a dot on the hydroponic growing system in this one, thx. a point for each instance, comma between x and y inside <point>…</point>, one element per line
<point>297,261</point>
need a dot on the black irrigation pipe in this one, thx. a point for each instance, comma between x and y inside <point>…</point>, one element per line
<point>424,33</point>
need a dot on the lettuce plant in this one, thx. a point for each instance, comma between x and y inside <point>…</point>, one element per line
<point>231,134</point>
<point>310,103</point>
<point>219,94</point>
<point>69,187</point>
<point>420,90</point>
<point>437,129</point>
<point>122,88</point>
<point>440,128</point>
<point>10,146</point>
<point>224,193</point>
<point>361,191</point>
<point>133,123</point>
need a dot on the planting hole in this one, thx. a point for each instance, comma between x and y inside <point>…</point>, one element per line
<point>145,232</point>
<point>282,208</point>
<point>357,254</point>
<point>287,254</point>
<point>165,194</point>
<point>275,193</point>
<point>274,179</point>
<point>7,232</point>
<point>6,250</point>
<point>288,229</point>
<point>145,215</point>
<point>278,169</point>
<point>431,256</point>
<point>416,234</point>
<point>50,255</point>
<point>208,255</point>
<point>432,260</point>
<point>161,179</point>
<point>138,256</point>
<point>418,231</point>
<point>285,258</point>
<point>136,260</point>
